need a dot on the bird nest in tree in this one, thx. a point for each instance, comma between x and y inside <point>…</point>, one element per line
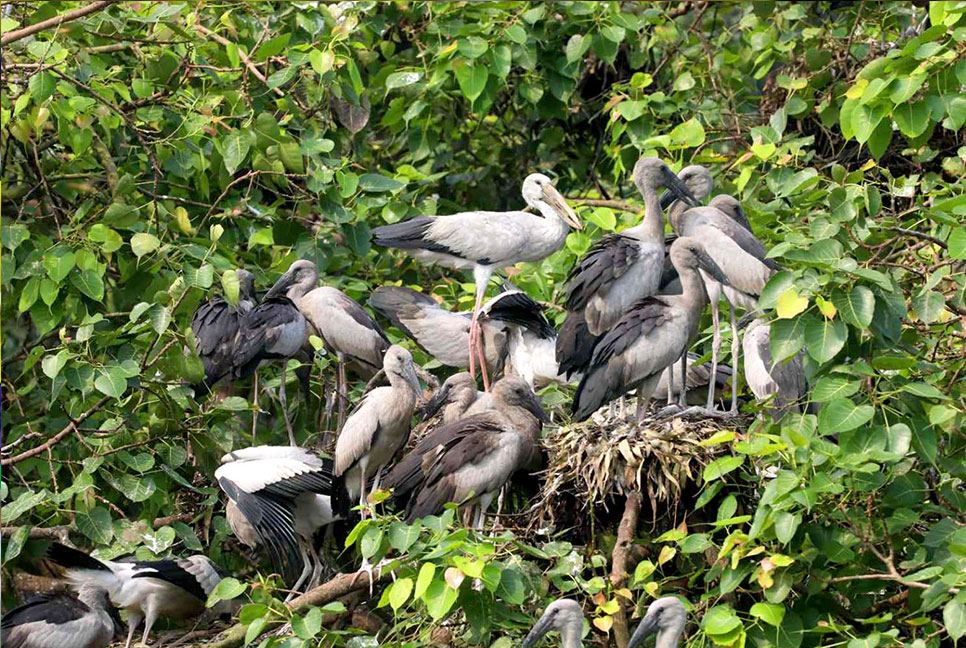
<point>591,462</point>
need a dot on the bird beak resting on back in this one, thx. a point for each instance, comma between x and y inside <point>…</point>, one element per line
<point>556,200</point>
<point>677,190</point>
<point>646,628</point>
<point>433,404</point>
<point>281,286</point>
<point>708,265</point>
<point>542,627</point>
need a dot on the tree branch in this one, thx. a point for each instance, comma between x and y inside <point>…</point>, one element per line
<point>613,204</point>
<point>625,537</point>
<point>54,440</point>
<point>56,21</point>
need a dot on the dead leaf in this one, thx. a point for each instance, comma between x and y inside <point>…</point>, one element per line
<point>454,577</point>
<point>604,623</point>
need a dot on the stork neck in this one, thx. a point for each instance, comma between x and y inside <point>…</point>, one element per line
<point>555,221</point>
<point>669,637</point>
<point>653,224</point>
<point>570,636</point>
<point>692,288</point>
<point>674,214</point>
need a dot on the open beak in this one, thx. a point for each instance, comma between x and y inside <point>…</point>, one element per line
<point>678,190</point>
<point>533,406</point>
<point>647,627</point>
<point>708,265</point>
<point>433,404</point>
<point>556,200</point>
<point>542,627</point>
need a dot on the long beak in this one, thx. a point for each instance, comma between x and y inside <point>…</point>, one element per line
<point>281,286</point>
<point>708,265</point>
<point>409,373</point>
<point>646,628</point>
<point>667,199</point>
<point>533,406</point>
<point>542,627</point>
<point>559,203</point>
<point>679,190</point>
<point>433,404</point>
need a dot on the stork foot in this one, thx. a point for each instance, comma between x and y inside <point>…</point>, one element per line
<point>703,412</point>
<point>368,569</point>
<point>668,411</point>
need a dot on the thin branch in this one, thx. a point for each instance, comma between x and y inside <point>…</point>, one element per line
<point>56,21</point>
<point>221,40</point>
<point>54,440</point>
<point>926,237</point>
<point>614,204</point>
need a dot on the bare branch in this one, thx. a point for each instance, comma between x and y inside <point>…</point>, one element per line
<point>56,21</point>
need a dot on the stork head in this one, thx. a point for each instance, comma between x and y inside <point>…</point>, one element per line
<point>537,189</point>
<point>246,284</point>
<point>514,391</point>
<point>398,365</point>
<point>651,174</point>
<point>454,389</point>
<point>561,615</point>
<point>665,616</point>
<point>699,182</point>
<point>300,278</point>
<point>689,252</point>
<point>730,207</point>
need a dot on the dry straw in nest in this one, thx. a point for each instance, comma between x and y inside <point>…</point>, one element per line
<point>595,460</point>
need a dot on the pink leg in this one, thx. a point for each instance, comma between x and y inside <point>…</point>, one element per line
<point>482,356</point>
<point>474,335</point>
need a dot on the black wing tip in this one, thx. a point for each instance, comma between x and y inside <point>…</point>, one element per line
<point>71,558</point>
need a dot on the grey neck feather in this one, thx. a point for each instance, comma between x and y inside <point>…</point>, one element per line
<point>692,288</point>
<point>670,636</point>
<point>570,636</point>
<point>653,215</point>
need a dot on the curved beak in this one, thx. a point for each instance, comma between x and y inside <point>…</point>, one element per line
<point>678,190</point>
<point>533,406</point>
<point>556,200</point>
<point>708,265</point>
<point>433,404</point>
<point>542,627</point>
<point>646,628</point>
<point>281,286</point>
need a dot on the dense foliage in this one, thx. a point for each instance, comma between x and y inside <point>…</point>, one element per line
<point>150,148</point>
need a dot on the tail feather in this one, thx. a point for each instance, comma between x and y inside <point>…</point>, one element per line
<point>575,345</point>
<point>71,558</point>
<point>518,308</point>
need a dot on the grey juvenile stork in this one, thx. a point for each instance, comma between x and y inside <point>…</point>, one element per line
<point>487,241</point>
<point>344,326</point>
<point>454,396</point>
<point>566,617</point>
<point>63,620</point>
<point>785,381</point>
<point>273,330</point>
<point>376,430</point>
<point>651,336</point>
<point>699,378</point>
<point>618,269</point>
<point>279,498</point>
<point>472,458</point>
<point>667,617</point>
<point>742,259</point>
<point>177,588</point>
<point>215,325</point>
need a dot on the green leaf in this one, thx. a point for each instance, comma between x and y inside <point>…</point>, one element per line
<point>143,244</point>
<point>928,305</point>
<point>722,466</point>
<point>309,626</point>
<point>231,286</point>
<point>957,243</point>
<point>321,61</point>
<point>42,85</point>
<point>786,524</point>
<point>472,47</point>
<point>517,34</point>
<point>423,579</point>
<point>53,363</point>
<point>16,542</point>
<point>577,46</point>
<point>402,535</point>
<point>439,599</point>
<point>924,390</point>
<point>89,283</point>
<point>358,236</point>
<point>111,381</point>
<point>954,618</point>
<point>110,240</point>
<point>377,183</point>
<point>399,593</point>
<point>472,80</point>
<point>841,415</point>
<point>720,620</point>
<point>787,337</point>
<point>226,590</point>
<point>59,262</point>
<point>688,134</point>
<point>831,387</point>
<point>824,338</point>
<point>602,217</point>
<point>770,613</point>
<point>271,47</point>
<point>856,307</point>
<point>234,149</point>
<point>280,77</point>
<point>402,79</point>
<point>29,295</point>
<point>262,236</point>
<point>912,118</point>
<point>26,501</point>
<point>630,110</point>
<point>95,524</point>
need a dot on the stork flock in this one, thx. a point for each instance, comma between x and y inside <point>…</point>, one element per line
<point>634,304</point>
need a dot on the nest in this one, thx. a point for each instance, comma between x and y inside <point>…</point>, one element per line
<point>592,462</point>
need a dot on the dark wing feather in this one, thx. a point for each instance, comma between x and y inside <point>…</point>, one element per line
<point>215,325</point>
<point>575,345</point>
<point>51,608</point>
<point>516,307</point>
<point>317,481</point>
<point>273,521</point>
<point>255,332</point>
<point>170,572</point>
<point>73,558</point>
<point>397,303</point>
<point>606,260</point>
<point>412,234</point>
<point>355,310</point>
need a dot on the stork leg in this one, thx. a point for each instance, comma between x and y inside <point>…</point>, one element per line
<point>715,347</point>
<point>735,351</point>
<point>341,388</point>
<point>670,384</point>
<point>481,277</point>
<point>484,504</point>
<point>362,489</point>
<point>150,616</point>
<point>255,410</point>
<point>133,621</point>
<point>306,571</point>
<point>499,506</point>
<point>283,400</point>
<point>683,398</point>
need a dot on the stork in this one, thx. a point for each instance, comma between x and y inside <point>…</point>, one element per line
<point>176,588</point>
<point>279,498</point>
<point>667,617</point>
<point>698,379</point>
<point>487,241</point>
<point>83,620</point>
<point>618,270</point>
<point>651,336</point>
<point>215,325</point>
<point>785,381</point>
<point>472,458</point>
<point>742,259</point>
<point>454,396</point>
<point>345,327</point>
<point>566,617</point>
